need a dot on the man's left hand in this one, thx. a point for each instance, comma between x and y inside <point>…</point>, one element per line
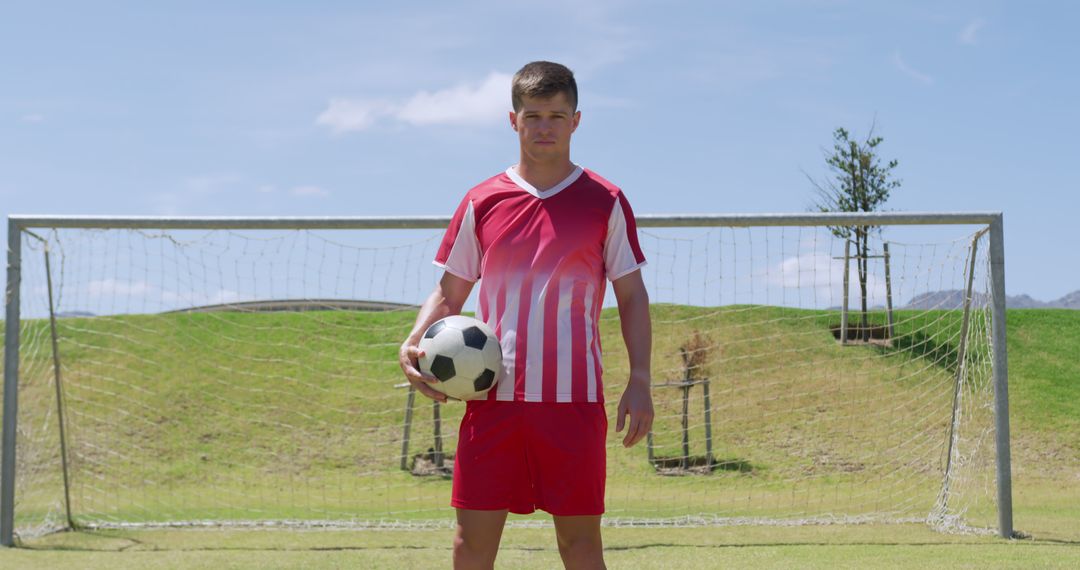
<point>637,402</point>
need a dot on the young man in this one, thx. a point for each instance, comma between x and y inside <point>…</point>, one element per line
<point>541,238</point>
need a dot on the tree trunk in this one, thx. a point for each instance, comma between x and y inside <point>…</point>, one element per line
<point>863,261</point>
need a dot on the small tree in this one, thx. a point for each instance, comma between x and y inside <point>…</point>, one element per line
<point>859,183</point>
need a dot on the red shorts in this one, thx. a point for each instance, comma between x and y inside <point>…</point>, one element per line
<point>524,456</point>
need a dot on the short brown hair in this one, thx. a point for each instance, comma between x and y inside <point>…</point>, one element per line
<point>543,79</point>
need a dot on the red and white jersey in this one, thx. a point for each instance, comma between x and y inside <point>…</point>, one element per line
<point>542,258</point>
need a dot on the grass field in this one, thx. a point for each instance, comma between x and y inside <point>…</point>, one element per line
<point>1044,394</point>
<point>892,546</point>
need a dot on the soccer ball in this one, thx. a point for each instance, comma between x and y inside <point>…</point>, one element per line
<point>463,353</point>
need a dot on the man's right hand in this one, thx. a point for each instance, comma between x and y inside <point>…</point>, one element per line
<point>407,357</point>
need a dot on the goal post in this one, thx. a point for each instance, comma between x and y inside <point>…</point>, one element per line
<point>11,382</point>
<point>721,276</point>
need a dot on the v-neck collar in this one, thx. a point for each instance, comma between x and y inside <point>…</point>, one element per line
<point>517,179</point>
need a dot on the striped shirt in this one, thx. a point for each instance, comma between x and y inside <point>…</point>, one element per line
<point>542,258</point>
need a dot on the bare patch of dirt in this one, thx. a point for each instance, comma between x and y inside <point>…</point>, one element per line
<point>699,465</point>
<point>878,335</point>
<point>425,465</point>
<point>833,464</point>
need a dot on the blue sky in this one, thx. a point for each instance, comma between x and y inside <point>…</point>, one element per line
<point>350,108</point>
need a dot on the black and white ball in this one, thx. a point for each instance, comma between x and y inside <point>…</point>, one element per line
<point>463,353</point>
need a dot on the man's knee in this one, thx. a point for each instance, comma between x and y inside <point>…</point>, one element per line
<point>474,553</point>
<point>476,542</point>
<point>582,551</point>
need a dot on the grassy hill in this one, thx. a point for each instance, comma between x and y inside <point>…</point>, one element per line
<point>1044,371</point>
<point>279,415</point>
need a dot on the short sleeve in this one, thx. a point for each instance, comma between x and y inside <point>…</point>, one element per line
<point>622,253</point>
<point>459,252</point>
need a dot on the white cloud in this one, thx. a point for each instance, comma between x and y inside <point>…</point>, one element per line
<point>115,287</point>
<point>818,275</point>
<point>462,104</point>
<point>169,299</point>
<point>309,190</point>
<point>968,34</point>
<point>344,115</point>
<point>467,104</point>
<point>910,71</point>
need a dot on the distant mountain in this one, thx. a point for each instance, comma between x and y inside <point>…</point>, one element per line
<point>74,314</point>
<point>1024,302</point>
<point>951,299</point>
<point>1070,301</point>
<point>954,299</point>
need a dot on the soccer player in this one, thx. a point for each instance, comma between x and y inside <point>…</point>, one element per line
<point>541,238</point>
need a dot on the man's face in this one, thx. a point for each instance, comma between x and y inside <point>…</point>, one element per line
<point>544,126</point>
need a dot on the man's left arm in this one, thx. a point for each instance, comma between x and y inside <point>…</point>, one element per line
<point>636,400</point>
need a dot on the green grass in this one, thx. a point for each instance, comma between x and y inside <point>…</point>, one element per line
<point>206,420</point>
<point>893,546</point>
<point>1044,371</point>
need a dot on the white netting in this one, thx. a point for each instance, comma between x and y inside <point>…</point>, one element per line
<point>274,403</point>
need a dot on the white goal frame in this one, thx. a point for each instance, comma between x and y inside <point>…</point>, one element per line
<point>18,224</point>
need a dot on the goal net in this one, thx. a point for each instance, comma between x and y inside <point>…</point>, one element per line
<point>208,375</point>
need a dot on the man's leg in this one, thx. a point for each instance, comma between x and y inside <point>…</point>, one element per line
<point>476,541</point>
<point>580,544</point>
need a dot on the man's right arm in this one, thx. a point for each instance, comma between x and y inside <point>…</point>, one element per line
<point>446,299</point>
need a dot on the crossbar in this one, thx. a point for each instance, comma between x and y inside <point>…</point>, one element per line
<point>421,222</point>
